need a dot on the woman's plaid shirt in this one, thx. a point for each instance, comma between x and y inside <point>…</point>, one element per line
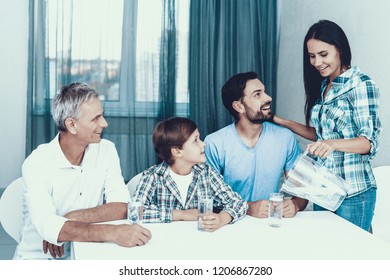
<point>350,110</point>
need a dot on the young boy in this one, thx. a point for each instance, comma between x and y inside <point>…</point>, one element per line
<point>170,190</point>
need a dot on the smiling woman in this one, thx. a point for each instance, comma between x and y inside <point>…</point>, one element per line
<point>325,58</point>
<point>342,105</point>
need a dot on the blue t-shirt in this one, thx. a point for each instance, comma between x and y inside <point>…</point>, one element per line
<point>252,172</point>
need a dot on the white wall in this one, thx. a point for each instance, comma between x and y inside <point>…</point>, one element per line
<point>367,26</point>
<point>13,87</point>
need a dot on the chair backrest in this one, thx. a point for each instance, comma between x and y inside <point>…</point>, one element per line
<point>132,184</point>
<point>381,220</point>
<point>11,209</point>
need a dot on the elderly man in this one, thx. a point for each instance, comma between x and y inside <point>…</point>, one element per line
<point>67,179</point>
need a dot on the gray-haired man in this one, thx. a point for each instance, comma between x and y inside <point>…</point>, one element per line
<point>66,179</point>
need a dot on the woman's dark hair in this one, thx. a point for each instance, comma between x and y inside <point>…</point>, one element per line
<point>171,133</point>
<point>328,32</point>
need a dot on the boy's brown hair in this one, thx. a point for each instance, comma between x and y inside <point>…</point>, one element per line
<point>171,133</point>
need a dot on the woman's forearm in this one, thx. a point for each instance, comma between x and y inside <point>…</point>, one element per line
<point>302,130</point>
<point>360,145</point>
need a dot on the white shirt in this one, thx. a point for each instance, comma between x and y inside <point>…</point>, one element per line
<point>182,183</point>
<point>54,187</point>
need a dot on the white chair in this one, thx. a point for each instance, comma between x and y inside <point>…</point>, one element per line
<point>132,184</point>
<point>381,220</point>
<point>11,209</point>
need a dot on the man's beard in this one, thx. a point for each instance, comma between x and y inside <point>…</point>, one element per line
<point>258,117</point>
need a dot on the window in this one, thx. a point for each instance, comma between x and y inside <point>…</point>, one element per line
<point>84,43</point>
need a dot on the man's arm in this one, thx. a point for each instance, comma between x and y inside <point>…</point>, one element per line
<point>300,203</point>
<point>107,212</point>
<point>293,205</point>
<point>102,213</point>
<point>124,235</point>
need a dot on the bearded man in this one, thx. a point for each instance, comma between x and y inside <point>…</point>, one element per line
<point>252,153</point>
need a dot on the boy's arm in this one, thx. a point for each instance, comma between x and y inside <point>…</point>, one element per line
<point>147,193</point>
<point>185,215</point>
<point>232,202</point>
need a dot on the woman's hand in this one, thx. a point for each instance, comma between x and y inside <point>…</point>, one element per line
<point>322,148</point>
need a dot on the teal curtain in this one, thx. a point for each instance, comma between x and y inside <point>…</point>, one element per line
<point>40,127</point>
<point>137,88</point>
<point>167,60</point>
<point>130,133</point>
<point>227,37</point>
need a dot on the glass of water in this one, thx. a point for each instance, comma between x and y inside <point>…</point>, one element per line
<point>275,213</point>
<point>205,207</point>
<point>134,212</point>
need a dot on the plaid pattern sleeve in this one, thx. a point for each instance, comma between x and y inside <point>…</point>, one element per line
<point>150,191</point>
<point>350,110</point>
<point>224,196</point>
<point>159,194</point>
<point>365,99</point>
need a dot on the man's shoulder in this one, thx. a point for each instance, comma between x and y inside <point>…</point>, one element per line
<point>278,131</point>
<point>41,153</point>
<point>220,134</point>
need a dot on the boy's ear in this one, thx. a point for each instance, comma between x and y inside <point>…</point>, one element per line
<point>70,124</point>
<point>176,152</point>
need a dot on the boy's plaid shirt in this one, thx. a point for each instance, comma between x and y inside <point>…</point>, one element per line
<point>160,196</point>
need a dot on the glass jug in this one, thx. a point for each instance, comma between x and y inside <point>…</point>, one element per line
<point>310,180</point>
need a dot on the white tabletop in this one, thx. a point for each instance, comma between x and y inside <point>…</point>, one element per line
<point>309,235</point>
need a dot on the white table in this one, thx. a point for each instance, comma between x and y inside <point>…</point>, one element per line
<point>309,235</point>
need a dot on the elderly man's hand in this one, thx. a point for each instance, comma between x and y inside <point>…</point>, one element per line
<point>55,251</point>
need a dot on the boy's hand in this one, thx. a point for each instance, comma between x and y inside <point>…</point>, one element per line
<point>214,221</point>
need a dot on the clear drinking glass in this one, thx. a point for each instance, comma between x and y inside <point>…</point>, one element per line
<point>134,212</point>
<point>275,213</point>
<point>205,207</point>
